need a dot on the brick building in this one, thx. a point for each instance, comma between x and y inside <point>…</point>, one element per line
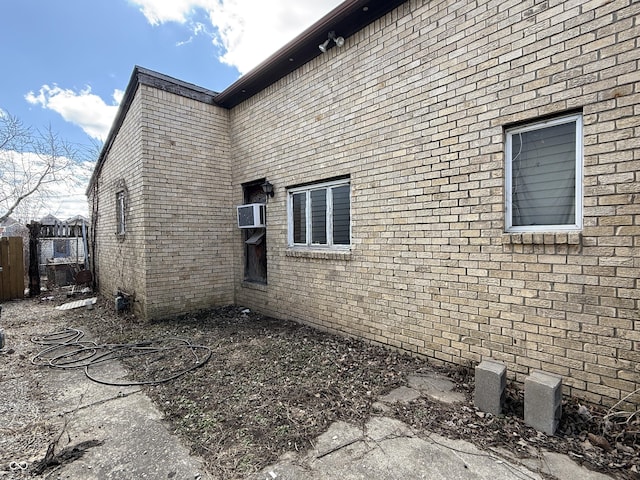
<point>458,180</point>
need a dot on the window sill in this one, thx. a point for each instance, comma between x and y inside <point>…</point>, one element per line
<point>319,254</point>
<point>550,243</point>
<point>551,238</point>
<point>254,286</point>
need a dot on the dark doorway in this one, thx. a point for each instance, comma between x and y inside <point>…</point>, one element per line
<point>255,239</point>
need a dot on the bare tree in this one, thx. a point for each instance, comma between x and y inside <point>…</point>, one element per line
<point>31,162</point>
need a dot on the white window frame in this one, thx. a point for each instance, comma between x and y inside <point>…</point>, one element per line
<point>121,215</point>
<point>307,189</point>
<point>577,225</point>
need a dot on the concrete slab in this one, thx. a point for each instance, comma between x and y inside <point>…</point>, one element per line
<point>561,466</point>
<point>400,395</point>
<point>436,386</point>
<point>79,392</point>
<point>133,443</point>
<point>117,432</point>
<point>432,385</point>
<point>555,465</point>
<point>387,449</point>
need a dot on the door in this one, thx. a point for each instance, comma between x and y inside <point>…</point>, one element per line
<point>255,239</point>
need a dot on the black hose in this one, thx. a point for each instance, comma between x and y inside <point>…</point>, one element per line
<point>65,351</point>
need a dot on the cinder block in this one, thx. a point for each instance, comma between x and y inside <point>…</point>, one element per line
<point>543,401</point>
<point>491,380</point>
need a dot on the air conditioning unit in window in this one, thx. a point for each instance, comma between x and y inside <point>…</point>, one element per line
<point>251,215</point>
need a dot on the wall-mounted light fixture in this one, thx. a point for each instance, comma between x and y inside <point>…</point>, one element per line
<point>339,41</point>
<point>267,188</point>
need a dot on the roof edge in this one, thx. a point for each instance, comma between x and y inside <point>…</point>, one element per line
<point>174,85</point>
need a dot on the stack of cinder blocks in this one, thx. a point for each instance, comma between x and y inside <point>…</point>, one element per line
<point>542,395</point>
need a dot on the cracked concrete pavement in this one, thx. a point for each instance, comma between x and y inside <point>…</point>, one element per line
<point>129,438</point>
<point>135,443</point>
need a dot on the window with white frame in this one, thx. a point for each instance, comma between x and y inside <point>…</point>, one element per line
<point>319,215</point>
<point>121,223</point>
<point>544,175</point>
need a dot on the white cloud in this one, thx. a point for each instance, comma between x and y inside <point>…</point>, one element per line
<point>82,108</point>
<point>117,95</point>
<point>247,31</point>
<point>161,11</point>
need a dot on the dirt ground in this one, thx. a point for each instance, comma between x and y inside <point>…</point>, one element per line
<point>241,389</point>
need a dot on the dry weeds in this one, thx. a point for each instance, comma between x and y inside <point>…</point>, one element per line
<point>272,386</point>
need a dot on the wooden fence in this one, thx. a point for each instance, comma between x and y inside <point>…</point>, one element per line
<point>11,268</point>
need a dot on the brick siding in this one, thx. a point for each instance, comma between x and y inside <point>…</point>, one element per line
<point>171,155</point>
<point>413,109</point>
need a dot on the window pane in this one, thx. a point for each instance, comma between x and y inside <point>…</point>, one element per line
<point>61,248</point>
<point>299,218</point>
<point>319,216</point>
<point>543,176</point>
<point>120,213</point>
<point>341,215</point>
